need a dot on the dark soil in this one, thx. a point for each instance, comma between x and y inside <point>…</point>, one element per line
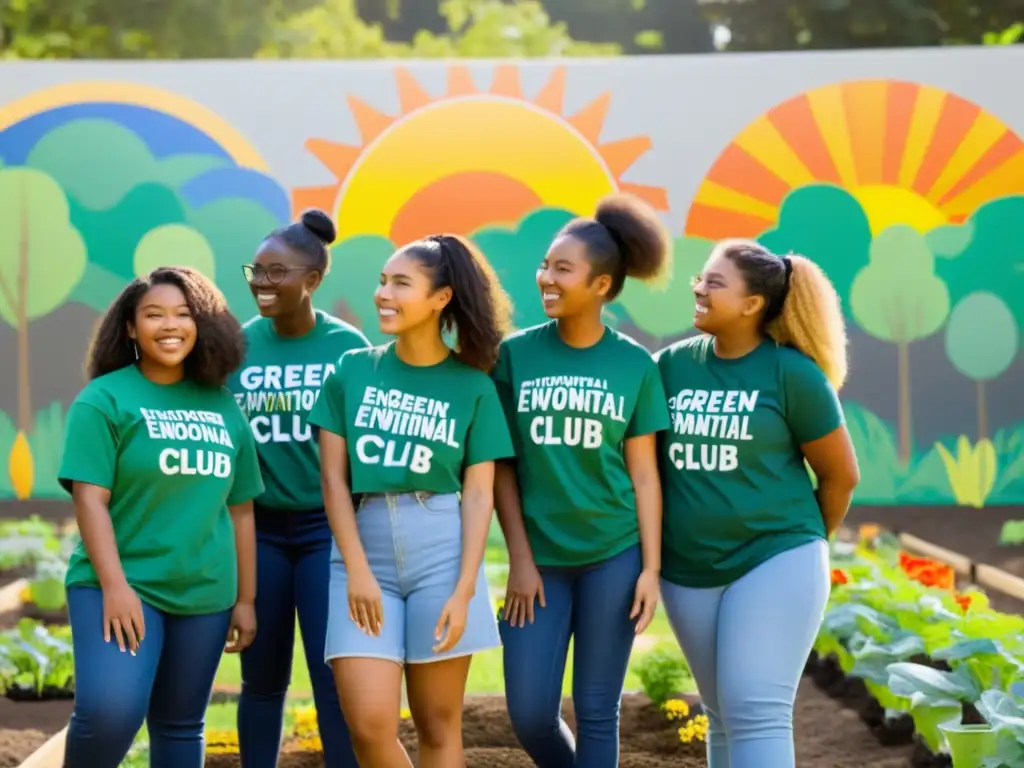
<point>827,736</point>
<point>25,727</point>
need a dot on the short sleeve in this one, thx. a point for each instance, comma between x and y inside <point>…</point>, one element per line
<point>502,378</point>
<point>812,404</point>
<point>247,482</point>
<point>488,438</point>
<point>651,412</point>
<point>90,448</point>
<point>329,410</point>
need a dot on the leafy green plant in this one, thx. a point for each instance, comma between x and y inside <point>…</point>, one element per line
<point>47,584</point>
<point>1004,711</point>
<point>935,696</point>
<point>663,673</point>
<point>1012,533</point>
<point>24,542</point>
<point>34,659</point>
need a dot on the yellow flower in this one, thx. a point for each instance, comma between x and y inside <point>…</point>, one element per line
<point>310,744</point>
<point>305,722</point>
<point>675,709</point>
<point>405,713</point>
<point>25,595</point>
<point>221,742</point>
<point>695,729</point>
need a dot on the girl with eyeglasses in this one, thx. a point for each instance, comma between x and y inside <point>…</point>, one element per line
<point>292,349</point>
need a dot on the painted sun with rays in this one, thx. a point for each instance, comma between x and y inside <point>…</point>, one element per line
<point>910,154</point>
<point>471,158</point>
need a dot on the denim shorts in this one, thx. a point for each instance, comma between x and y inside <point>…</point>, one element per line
<point>413,542</point>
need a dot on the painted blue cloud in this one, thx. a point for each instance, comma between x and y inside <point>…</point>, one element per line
<point>252,185</point>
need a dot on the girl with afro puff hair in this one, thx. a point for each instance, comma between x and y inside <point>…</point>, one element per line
<point>162,469</point>
<point>745,570</point>
<point>580,504</point>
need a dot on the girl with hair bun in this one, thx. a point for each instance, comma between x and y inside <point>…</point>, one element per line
<point>414,428</point>
<point>292,348</point>
<point>745,570</point>
<point>580,505</point>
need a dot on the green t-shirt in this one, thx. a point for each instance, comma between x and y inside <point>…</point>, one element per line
<point>173,458</point>
<point>411,428</point>
<point>737,491</point>
<point>570,411</point>
<point>277,387</point>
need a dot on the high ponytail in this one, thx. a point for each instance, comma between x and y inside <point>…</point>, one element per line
<point>480,312</point>
<point>811,319</point>
<point>802,308</point>
<point>624,239</point>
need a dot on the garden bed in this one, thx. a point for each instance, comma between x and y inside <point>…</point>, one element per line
<point>971,532</point>
<point>827,735</point>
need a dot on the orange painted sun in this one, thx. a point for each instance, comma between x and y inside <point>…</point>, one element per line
<point>911,154</point>
<point>471,158</point>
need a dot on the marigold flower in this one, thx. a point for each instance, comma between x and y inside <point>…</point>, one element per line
<point>839,577</point>
<point>964,601</point>
<point>868,531</point>
<point>675,709</point>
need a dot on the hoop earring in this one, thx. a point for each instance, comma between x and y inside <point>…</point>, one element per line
<point>135,346</point>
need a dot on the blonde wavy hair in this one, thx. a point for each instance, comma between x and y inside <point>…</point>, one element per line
<point>802,308</point>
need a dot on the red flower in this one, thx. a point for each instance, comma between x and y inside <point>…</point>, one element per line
<point>964,601</point>
<point>839,577</point>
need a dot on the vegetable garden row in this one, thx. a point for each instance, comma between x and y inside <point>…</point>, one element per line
<point>930,670</point>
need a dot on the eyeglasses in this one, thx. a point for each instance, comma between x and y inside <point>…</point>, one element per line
<point>254,273</point>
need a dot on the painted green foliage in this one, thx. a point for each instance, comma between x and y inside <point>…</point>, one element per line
<point>128,206</point>
<point>898,298</point>
<point>981,342</point>
<point>42,258</point>
<point>827,224</point>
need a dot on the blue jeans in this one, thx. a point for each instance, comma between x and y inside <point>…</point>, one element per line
<point>590,604</point>
<point>293,550</point>
<point>167,684</point>
<point>747,644</point>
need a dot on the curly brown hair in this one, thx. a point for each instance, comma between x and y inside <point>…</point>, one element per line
<point>220,344</point>
<point>624,239</point>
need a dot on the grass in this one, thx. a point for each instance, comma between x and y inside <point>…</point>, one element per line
<point>486,674</point>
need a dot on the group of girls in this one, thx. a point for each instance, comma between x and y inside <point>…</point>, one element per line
<point>353,486</point>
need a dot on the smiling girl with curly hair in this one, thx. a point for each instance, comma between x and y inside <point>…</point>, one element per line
<point>162,469</point>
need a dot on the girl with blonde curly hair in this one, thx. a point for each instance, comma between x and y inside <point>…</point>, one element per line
<point>745,571</point>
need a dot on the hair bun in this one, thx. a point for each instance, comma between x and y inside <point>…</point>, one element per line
<point>320,224</point>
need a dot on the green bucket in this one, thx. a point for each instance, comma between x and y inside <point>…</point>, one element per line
<point>969,744</point>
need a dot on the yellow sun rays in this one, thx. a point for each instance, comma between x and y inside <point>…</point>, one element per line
<point>470,157</point>
<point>910,153</point>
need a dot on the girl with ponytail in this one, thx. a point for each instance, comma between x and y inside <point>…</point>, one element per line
<point>580,504</point>
<point>413,429</point>
<point>745,570</point>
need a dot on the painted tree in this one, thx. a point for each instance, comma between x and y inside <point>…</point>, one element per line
<point>982,340</point>
<point>174,245</point>
<point>898,298</point>
<point>666,310</point>
<point>42,258</point>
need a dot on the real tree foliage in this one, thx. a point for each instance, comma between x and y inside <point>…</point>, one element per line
<point>190,29</point>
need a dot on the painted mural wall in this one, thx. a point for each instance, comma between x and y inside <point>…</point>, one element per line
<point>902,174</point>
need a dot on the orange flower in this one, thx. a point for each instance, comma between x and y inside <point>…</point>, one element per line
<point>869,531</point>
<point>839,577</point>
<point>940,576</point>
<point>964,601</point>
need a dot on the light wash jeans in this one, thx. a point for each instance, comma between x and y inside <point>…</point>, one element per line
<point>747,644</point>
